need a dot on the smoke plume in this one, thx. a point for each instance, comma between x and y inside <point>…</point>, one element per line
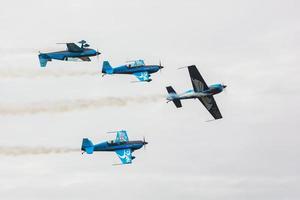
<point>39,72</point>
<point>77,104</point>
<point>22,150</point>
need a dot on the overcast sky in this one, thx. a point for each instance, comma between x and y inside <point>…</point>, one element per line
<point>251,46</point>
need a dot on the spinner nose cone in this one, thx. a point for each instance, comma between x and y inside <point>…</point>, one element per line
<point>224,86</point>
<point>98,53</point>
<point>145,142</point>
<point>160,67</point>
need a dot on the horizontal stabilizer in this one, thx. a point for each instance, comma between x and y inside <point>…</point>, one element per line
<point>177,103</point>
<point>173,96</point>
<point>170,90</point>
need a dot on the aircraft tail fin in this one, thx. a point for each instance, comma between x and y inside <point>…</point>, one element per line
<point>87,146</point>
<point>43,58</point>
<point>172,95</point>
<point>106,68</point>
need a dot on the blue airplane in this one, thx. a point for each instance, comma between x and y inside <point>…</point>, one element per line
<point>121,145</point>
<point>136,68</point>
<point>200,91</point>
<point>73,53</point>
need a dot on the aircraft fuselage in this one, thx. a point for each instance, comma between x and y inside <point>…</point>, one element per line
<point>131,70</point>
<point>64,55</point>
<point>191,94</point>
<point>113,146</point>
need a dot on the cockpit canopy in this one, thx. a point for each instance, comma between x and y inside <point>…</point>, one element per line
<point>113,142</point>
<point>215,86</point>
<point>135,63</point>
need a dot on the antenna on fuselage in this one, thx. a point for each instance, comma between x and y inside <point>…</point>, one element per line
<point>115,131</point>
<point>137,81</point>
<point>111,131</point>
<point>129,61</point>
<point>210,120</point>
<point>116,164</point>
<point>182,67</point>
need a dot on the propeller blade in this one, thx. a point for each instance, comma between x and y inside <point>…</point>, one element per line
<point>160,66</point>
<point>98,55</point>
<point>145,143</point>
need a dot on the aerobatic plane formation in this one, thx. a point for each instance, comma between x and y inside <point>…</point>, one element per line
<point>121,145</point>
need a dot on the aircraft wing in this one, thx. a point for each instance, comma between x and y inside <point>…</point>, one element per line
<point>211,105</point>
<point>85,58</point>
<point>142,76</point>
<point>197,80</point>
<point>121,136</point>
<point>72,47</point>
<point>124,155</point>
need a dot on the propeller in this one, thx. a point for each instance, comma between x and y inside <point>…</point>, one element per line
<point>224,87</point>
<point>144,143</point>
<point>160,66</point>
<point>98,53</point>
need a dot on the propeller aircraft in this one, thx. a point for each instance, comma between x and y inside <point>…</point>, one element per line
<point>73,53</point>
<point>121,145</point>
<point>200,91</point>
<point>137,68</point>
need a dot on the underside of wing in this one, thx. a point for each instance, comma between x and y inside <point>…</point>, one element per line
<point>142,76</point>
<point>211,105</point>
<point>197,80</point>
<point>85,58</point>
<point>122,136</point>
<point>72,47</point>
<point>125,155</point>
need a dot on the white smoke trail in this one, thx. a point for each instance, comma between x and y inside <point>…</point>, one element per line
<point>73,105</point>
<point>23,150</point>
<point>27,73</point>
<point>10,51</point>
